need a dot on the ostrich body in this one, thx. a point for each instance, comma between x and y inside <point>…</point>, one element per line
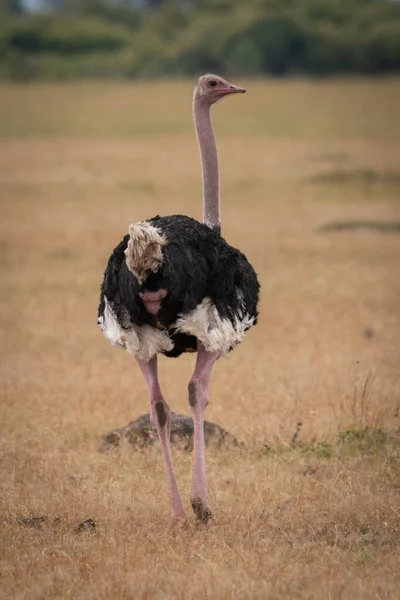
<point>174,285</point>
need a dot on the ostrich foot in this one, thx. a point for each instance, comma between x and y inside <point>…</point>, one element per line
<point>202,511</point>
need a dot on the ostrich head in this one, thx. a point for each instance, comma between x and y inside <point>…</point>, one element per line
<point>211,88</point>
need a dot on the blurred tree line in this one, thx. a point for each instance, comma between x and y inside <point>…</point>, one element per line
<point>147,38</point>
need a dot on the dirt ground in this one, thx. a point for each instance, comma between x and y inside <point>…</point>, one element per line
<point>309,506</point>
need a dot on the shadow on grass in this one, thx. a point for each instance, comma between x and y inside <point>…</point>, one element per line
<point>380,226</point>
<point>362,175</point>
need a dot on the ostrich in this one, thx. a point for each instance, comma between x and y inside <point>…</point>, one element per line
<point>174,285</point>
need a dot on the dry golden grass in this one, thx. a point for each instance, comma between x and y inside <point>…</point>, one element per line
<point>316,519</point>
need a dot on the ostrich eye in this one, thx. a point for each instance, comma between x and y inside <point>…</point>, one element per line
<point>212,83</point>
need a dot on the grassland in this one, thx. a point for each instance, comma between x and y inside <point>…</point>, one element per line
<point>309,512</point>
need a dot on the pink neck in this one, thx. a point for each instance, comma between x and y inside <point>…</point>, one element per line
<point>209,162</point>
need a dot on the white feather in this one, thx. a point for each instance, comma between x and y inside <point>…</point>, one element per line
<point>216,333</point>
<point>142,341</point>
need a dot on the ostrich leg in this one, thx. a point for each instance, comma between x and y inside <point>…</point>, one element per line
<point>198,400</point>
<point>160,415</point>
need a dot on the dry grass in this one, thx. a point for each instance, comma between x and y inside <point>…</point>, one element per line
<point>319,518</point>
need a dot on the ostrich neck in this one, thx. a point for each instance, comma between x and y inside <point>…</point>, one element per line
<point>209,163</point>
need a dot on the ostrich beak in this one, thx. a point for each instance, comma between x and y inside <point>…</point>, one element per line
<point>233,89</point>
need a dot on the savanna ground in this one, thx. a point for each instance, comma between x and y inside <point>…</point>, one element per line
<point>310,511</point>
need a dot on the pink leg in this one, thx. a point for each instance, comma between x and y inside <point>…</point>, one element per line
<point>198,400</point>
<point>161,417</point>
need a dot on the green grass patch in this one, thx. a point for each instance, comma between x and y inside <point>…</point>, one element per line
<point>364,440</point>
<point>289,109</point>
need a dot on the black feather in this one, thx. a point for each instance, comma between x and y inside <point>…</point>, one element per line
<point>198,263</point>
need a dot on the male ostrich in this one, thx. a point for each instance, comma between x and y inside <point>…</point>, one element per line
<point>174,285</point>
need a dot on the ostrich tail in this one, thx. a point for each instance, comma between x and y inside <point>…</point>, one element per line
<point>144,251</point>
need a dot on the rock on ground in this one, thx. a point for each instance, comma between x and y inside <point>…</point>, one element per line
<point>141,433</point>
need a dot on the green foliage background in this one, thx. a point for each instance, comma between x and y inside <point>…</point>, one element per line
<point>73,39</point>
